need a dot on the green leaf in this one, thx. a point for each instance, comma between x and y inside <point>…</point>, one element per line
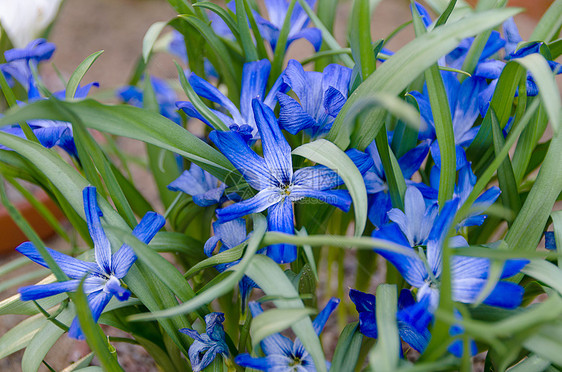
<point>43,341</point>
<point>220,288</point>
<point>281,46</point>
<point>21,335</point>
<point>245,35</point>
<point>386,353</point>
<point>94,335</point>
<point>269,277</point>
<point>274,321</point>
<point>444,17</point>
<point>225,64</point>
<point>508,185</point>
<point>348,348</point>
<point>443,123</point>
<point>545,272</point>
<point>80,364</point>
<point>528,227</point>
<point>326,153</point>
<point>360,36</point>
<point>150,38</point>
<point>79,73</point>
<point>546,343</point>
<point>533,363</point>
<point>13,305</point>
<point>537,65</point>
<point>550,23</point>
<point>226,256</point>
<point>131,122</point>
<point>402,68</point>
<point>221,12</point>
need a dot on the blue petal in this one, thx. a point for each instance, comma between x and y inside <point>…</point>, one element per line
<point>96,302</point>
<point>365,303</point>
<point>410,267</point>
<point>254,80</point>
<point>280,218</point>
<point>210,245</point>
<point>338,198</point>
<point>277,10</point>
<point>36,292</point>
<point>466,110</point>
<point>379,205</point>
<point>260,202</point>
<point>102,246</point>
<point>306,85</point>
<point>438,234</point>
<point>275,343</point>
<point>276,149</point>
<point>274,362</point>
<point>313,35</point>
<point>113,286</point>
<point>74,268</point>
<point>188,183</point>
<point>125,257</point>
<point>511,34</point>
<point>413,159</point>
<point>292,116</point>
<point>427,127</point>
<point>512,267</point>
<point>333,101</point>
<point>489,69</point>
<point>253,168</point>
<point>506,294</point>
<point>37,50</point>
<point>416,339</point>
<point>425,17</point>
<point>206,90</point>
<point>317,177</point>
<point>321,319</point>
<point>549,240</point>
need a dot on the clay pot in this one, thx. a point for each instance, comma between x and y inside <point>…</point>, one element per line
<point>12,236</point>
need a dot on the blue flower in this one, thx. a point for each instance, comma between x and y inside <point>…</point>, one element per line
<point>165,97</point>
<point>377,187</point>
<point>463,102</point>
<point>277,11</point>
<point>273,177</point>
<point>321,97</point>
<point>281,354</point>
<point>103,277</point>
<point>549,240</point>
<point>50,133</point>
<point>18,61</point>
<point>207,345</point>
<point>205,188</point>
<point>412,318</point>
<point>231,234</point>
<point>254,81</point>
<point>468,274</point>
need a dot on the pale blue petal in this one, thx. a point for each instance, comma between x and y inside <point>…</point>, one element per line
<point>74,268</point>
<point>276,149</point>
<point>231,233</point>
<point>338,198</point>
<point>438,234</point>
<point>254,80</point>
<point>102,246</point>
<point>260,202</point>
<point>317,177</point>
